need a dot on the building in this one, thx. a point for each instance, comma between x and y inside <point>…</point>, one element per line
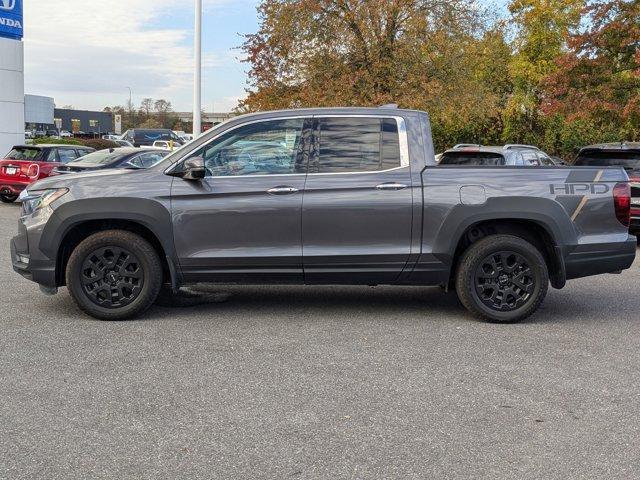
<point>11,76</point>
<point>76,121</point>
<point>38,113</point>
<point>208,119</point>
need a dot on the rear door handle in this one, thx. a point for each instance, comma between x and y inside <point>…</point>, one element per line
<point>391,186</point>
<point>282,190</point>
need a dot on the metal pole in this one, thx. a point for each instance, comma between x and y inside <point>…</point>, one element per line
<point>130,108</point>
<point>197,70</point>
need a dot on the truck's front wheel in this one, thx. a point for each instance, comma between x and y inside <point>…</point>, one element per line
<point>502,278</point>
<point>114,275</point>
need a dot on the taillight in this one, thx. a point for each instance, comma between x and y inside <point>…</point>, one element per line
<point>622,202</point>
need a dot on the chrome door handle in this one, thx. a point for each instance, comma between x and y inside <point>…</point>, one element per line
<point>282,190</point>
<point>391,186</point>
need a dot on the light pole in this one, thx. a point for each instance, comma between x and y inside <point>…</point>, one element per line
<point>197,70</point>
<point>130,108</point>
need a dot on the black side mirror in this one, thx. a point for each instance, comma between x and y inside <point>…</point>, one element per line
<point>191,169</point>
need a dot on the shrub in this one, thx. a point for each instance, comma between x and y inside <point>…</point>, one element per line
<point>99,143</point>
<point>56,141</point>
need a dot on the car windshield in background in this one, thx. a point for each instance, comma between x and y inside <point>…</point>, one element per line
<point>620,158</point>
<point>23,154</point>
<point>487,159</point>
<point>103,157</point>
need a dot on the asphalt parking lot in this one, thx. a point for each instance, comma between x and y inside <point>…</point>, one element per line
<point>331,382</point>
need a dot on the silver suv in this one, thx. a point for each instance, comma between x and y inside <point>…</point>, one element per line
<point>507,155</point>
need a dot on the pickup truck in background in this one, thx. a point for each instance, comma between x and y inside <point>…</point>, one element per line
<point>317,197</point>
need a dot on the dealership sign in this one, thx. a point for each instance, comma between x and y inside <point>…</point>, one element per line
<point>11,19</point>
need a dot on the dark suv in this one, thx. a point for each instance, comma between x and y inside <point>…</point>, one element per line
<point>144,137</point>
<point>626,155</point>
<point>507,155</point>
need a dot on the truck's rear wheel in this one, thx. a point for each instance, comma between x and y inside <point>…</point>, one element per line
<point>502,278</point>
<point>114,275</point>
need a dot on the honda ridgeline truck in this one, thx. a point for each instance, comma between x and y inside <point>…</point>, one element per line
<point>323,196</point>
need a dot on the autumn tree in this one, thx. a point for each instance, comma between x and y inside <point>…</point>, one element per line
<point>597,83</point>
<point>541,30</point>
<point>437,56</point>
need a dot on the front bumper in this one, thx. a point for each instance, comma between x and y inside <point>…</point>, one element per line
<point>597,258</point>
<point>26,257</point>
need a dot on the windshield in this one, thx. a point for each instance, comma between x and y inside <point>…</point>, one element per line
<point>102,157</point>
<point>472,158</point>
<point>23,154</point>
<point>620,158</point>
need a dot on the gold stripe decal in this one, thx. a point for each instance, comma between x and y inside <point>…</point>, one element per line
<point>584,200</point>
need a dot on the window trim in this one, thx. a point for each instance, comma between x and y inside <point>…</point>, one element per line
<point>402,139</point>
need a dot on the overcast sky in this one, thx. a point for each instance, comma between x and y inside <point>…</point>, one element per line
<point>85,53</point>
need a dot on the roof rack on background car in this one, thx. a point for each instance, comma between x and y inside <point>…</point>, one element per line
<point>465,145</point>
<point>517,145</point>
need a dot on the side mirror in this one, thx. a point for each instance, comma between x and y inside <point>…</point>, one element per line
<point>191,169</point>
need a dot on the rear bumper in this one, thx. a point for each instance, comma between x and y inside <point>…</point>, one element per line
<point>597,258</point>
<point>11,188</point>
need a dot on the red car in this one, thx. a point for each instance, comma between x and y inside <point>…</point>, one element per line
<point>25,164</point>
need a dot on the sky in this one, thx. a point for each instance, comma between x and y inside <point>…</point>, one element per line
<point>88,53</point>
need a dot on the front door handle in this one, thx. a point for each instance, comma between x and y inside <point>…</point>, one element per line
<point>282,190</point>
<point>391,186</point>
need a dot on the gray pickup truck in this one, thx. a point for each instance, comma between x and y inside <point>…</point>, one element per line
<point>323,196</point>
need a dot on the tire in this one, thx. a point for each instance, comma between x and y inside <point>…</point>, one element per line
<point>511,275</point>
<point>8,198</point>
<point>127,273</point>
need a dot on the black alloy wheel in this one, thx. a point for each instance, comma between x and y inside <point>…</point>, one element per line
<point>112,277</point>
<point>504,281</point>
<point>502,278</point>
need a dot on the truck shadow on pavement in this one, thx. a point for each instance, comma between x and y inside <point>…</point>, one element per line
<point>343,300</point>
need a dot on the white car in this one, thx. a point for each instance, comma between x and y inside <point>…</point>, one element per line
<point>166,145</point>
<point>65,134</point>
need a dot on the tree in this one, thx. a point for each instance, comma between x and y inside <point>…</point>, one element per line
<point>542,29</point>
<point>146,106</point>
<point>425,54</point>
<point>598,80</point>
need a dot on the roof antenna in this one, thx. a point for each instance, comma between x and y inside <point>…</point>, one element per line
<point>389,105</point>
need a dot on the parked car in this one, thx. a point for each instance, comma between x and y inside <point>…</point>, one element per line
<point>40,133</point>
<point>25,164</point>
<point>333,196</point>
<point>124,157</point>
<point>166,145</point>
<point>507,155</point>
<point>146,136</point>
<point>123,143</point>
<point>65,134</point>
<point>28,134</point>
<point>52,133</point>
<point>111,137</point>
<point>625,155</point>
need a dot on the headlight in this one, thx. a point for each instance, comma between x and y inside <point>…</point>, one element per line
<point>36,200</point>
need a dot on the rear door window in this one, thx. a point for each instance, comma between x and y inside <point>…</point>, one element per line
<point>479,159</point>
<point>66,155</point>
<point>347,144</point>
